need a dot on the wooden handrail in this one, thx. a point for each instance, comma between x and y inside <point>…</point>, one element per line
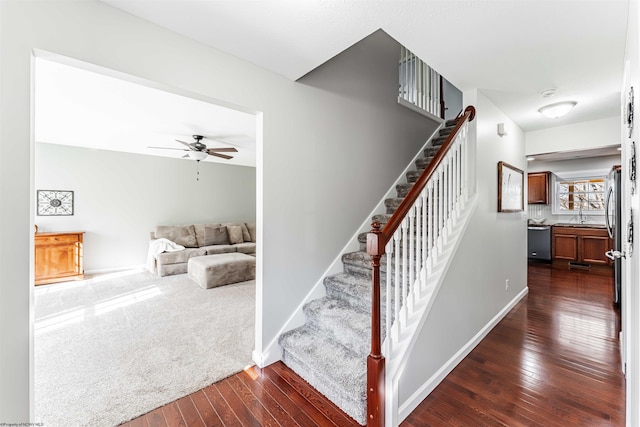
<point>402,211</point>
<point>377,240</point>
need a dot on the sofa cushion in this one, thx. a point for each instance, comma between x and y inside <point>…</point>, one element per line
<point>251,226</point>
<point>199,229</point>
<point>245,232</point>
<point>183,235</point>
<point>235,234</point>
<point>246,248</point>
<point>216,236</point>
<point>180,256</point>
<point>220,249</point>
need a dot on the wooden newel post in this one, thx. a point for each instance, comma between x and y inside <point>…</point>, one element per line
<point>375,361</point>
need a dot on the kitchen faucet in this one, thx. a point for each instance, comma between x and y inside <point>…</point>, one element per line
<point>580,215</point>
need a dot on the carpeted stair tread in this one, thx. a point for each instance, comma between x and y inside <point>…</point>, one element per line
<point>413,175</point>
<point>438,141</point>
<point>451,122</point>
<point>430,151</point>
<point>344,323</point>
<point>392,204</point>
<point>423,162</point>
<point>381,218</point>
<point>404,188</point>
<point>446,130</point>
<point>331,368</point>
<point>352,288</point>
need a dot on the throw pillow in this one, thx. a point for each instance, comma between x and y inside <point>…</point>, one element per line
<point>181,234</point>
<point>235,234</point>
<point>251,226</point>
<point>245,233</point>
<point>216,236</point>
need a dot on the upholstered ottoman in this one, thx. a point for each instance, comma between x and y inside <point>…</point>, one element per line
<point>221,269</point>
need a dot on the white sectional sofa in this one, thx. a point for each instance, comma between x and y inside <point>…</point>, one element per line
<point>201,240</point>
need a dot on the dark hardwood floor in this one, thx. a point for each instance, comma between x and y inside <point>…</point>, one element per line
<point>552,361</point>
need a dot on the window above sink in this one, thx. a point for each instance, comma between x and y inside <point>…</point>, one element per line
<point>583,195</point>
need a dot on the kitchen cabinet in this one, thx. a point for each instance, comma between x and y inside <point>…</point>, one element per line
<point>538,188</point>
<point>582,244</point>
<point>58,257</point>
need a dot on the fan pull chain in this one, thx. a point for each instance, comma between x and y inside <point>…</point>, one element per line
<point>197,170</point>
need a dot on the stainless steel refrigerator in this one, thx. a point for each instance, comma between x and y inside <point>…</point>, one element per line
<point>613,215</point>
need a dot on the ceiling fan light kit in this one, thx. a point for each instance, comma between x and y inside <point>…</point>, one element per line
<point>197,155</point>
<point>197,150</point>
<point>557,110</point>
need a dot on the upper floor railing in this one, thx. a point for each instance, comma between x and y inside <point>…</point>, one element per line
<point>419,84</point>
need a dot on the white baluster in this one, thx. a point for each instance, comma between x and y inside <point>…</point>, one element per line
<point>412,249</point>
<point>450,191</point>
<point>405,264</point>
<point>397,284</point>
<point>420,84</point>
<point>389,253</point>
<point>465,165</point>
<point>425,229</point>
<point>418,238</point>
<point>440,201</point>
<point>429,230</point>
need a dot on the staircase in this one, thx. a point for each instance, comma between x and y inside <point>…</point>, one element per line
<point>330,350</point>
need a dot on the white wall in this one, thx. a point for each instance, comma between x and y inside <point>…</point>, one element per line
<point>579,136</point>
<point>120,197</point>
<point>311,150</point>
<point>602,163</point>
<point>492,250</point>
<point>631,264</point>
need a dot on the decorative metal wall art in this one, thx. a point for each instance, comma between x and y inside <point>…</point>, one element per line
<point>54,203</point>
<point>632,167</point>
<point>629,115</point>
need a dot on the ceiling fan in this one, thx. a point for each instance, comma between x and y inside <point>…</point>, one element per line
<point>198,150</point>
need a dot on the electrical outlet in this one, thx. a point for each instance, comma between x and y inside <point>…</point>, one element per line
<point>506,285</point>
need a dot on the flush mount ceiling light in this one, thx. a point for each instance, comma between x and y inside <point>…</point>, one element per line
<point>559,109</point>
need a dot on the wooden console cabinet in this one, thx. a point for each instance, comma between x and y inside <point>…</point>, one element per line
<point>538,188</point>
<point>581,244</point>
<point>58,257</point>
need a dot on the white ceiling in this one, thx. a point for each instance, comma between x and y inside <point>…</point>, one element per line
<point>82,108</point>
<point>509,49</point>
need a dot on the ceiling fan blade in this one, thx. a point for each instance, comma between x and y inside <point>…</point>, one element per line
<point>224,156</point>
<point>186,144</point>
<point>168,148</point>
<point>222,150</point>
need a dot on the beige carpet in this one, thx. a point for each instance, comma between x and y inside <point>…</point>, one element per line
<point>111,348</point>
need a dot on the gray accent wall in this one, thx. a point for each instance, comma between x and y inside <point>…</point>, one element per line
<point>120,197</point>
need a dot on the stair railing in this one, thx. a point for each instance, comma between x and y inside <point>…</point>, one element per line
<point>413,237</point>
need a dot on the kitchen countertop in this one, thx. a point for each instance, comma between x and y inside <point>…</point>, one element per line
<point>579,225</point>
<point>566,224</point>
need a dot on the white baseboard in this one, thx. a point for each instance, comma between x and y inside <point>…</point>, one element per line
<point>412,402</point>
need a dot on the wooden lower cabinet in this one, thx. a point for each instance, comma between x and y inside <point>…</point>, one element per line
<point>581,244</point>
<point>58,257</point>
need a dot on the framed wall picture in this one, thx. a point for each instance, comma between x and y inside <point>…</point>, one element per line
<point>510,188</point>
<point>54,202</point>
